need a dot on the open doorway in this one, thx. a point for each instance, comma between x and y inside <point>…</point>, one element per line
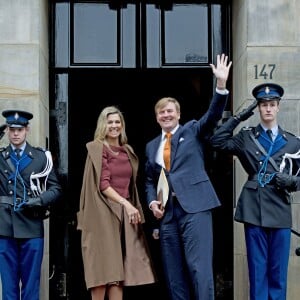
<point>151,49</point>
<point>135,92</point>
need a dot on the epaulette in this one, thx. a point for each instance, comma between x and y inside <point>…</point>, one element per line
<point>292,134</point>
<point>41,149</point>
<point>247,128</point>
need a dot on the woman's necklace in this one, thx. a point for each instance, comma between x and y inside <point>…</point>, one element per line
<point>113,151</point>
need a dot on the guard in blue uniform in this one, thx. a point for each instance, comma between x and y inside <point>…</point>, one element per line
<point>264,204</point>
<point>28,187</point>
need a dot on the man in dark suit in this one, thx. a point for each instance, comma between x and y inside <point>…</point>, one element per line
<point>185,227</point>
<point>264,204</point>
<point>28,187</point>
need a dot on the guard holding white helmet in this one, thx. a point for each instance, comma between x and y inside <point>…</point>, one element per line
<point>28,187</point>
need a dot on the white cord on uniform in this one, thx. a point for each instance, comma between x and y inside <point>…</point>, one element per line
<point>35,184</point>
<point>289,157</point>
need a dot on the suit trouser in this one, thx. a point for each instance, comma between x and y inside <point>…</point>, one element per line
<point>20,261</point>
<point>187,250</point>
<point>268,252</point>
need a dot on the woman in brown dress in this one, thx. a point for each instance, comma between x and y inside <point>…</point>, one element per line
<point>114,249</point>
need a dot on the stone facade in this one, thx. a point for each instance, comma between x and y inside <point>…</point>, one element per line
<point>266,40</point>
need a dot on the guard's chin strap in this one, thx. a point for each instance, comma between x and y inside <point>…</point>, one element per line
<point>35,184</point>
<point>289,157</point>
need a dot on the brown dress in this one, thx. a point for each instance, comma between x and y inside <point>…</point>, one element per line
<point>112,248</point>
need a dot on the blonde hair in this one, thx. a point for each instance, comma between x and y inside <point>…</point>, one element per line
<point>164,101</point>
<point>101,129</point>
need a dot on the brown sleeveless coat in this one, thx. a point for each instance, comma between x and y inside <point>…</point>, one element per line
<point>102,222</point>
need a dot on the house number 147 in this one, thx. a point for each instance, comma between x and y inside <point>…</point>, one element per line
<point>265,71</point>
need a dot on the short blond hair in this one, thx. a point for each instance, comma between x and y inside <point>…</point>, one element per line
<point>164,101</point>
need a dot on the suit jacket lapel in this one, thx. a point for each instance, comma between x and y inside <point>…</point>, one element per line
<point>174,143</point>
<point>154,150</point>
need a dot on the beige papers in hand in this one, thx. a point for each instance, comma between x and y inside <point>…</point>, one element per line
<point>162,188</point>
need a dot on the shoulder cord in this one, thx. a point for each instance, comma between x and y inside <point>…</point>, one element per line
<point>19,204</point>
<point>35,184</point>
<point>261,173</point>
<point>289,157</point>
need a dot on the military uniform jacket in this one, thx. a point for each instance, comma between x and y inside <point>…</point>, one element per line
<point>267,205</point>
<point>26,223</point>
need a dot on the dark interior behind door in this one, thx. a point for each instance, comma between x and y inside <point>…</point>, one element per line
<point>135,93</point>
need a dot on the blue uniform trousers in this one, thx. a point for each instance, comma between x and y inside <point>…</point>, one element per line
<point>20,262</point>
<point>187,251</point>
<point>268,252</point>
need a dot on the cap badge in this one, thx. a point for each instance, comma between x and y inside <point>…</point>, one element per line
<point>267,90</point>
<point>16,116</point>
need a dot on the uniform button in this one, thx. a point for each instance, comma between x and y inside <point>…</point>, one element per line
<point>11,192</point>
<point>256,152</point>
<point>260,162</point>
<point>9,181</point>
<point>5,171</point>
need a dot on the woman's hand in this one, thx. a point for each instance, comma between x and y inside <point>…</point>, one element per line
<point>133,214</point>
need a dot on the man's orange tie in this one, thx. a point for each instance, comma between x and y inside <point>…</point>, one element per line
<point>167,151</point>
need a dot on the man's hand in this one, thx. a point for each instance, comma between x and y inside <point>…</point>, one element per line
<point>157,209</point>
<point>33,202</point>
<point>247,112</point>
<point>221,70</point>
<point>285,181</point>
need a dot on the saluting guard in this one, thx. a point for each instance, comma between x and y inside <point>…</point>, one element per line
<point>264,205</point>
<point>28,187</point>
